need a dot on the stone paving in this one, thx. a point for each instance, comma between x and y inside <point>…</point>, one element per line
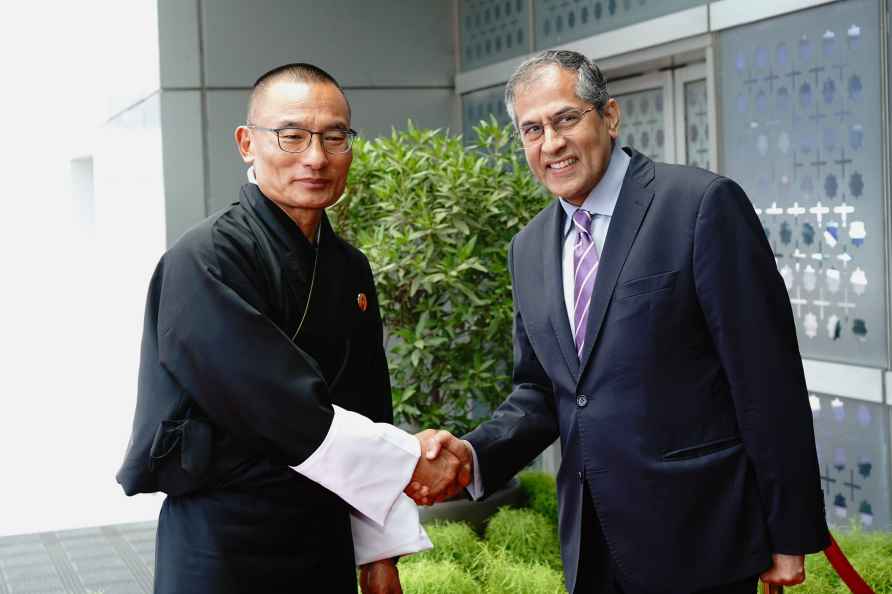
<point>105,560</point>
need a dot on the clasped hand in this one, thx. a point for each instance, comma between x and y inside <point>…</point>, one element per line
<point>443,470</point>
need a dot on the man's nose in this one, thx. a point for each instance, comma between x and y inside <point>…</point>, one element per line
<point>552,142</point>
<point>315,155</point>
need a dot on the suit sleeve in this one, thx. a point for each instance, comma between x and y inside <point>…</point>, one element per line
<point>525,423</point>
<point>251,380</point>
<point>751,322</point>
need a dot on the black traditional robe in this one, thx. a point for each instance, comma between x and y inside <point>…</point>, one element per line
<point>228,402</point>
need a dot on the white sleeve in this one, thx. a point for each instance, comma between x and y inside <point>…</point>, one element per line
<point>475,489</point>
<point>401,534</point>
<point>366,464</point>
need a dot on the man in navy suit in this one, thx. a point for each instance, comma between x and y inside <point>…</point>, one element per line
<point>654,336</point>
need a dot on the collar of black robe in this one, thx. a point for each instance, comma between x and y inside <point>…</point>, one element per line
<point>299,251</point>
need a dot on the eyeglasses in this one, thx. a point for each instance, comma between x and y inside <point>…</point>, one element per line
<point>296,140</point>
<point>533,134</point>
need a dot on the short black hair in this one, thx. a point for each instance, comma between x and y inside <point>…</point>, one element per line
<point>295,72</point>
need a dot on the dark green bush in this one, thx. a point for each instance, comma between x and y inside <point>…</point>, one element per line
<point>436,577</point>
<point>540,489</point>
<point>435,218</point>
<point>525,535</point>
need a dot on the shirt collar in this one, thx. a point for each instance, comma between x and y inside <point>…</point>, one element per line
<point>602,199</point>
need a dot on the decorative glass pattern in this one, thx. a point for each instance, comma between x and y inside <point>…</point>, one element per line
<point>853,456</point>
<point>493,30</point>
<point>479,105</point>
<point>643,124</point>
<point>696,117</point>
<point>802,128</point>
<point>560,21</point>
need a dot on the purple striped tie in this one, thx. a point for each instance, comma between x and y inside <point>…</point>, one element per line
<point>585,264</point>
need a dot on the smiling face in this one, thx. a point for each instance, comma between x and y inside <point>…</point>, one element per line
<point>312,179</point>
<point>571,163</point>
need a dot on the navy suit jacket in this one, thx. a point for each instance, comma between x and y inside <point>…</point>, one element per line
<point>687,414</point>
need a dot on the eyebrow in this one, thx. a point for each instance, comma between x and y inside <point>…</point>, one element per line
<point>337,125</point>
<point>561,111</point>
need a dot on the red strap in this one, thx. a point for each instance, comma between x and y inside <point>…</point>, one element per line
<point>845,570</point>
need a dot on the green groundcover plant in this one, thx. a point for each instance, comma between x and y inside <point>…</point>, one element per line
<point>435,218</point>
<point>518,554</point>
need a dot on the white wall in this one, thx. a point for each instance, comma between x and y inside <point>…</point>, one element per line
<point>71,309</point>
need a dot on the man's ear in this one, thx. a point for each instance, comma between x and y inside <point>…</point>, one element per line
<point>244,140</point>
<point>613,116</point>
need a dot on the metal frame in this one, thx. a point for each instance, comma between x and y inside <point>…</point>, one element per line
<point>649,82</point>
<point>682,76</point>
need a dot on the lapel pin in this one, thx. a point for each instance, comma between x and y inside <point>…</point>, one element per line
<point>362,302</point>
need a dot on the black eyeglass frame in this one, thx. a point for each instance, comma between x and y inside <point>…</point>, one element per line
<point>350,132</point>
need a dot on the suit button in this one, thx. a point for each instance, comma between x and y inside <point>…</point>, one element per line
<point>581,400</point>
<point>579,476</point>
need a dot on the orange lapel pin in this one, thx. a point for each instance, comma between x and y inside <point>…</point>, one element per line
<point>362,301</point>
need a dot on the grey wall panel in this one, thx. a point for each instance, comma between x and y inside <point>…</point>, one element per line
<point>802,122</point>
<point>178,41</point>
<point>560,21</point>
<point>493,30</point>
<point>226,171</point>
<point>361,43</point>
<point>479,106</point>
<point>181,142</point>
<point>375,111</point>
<point>853,456</point>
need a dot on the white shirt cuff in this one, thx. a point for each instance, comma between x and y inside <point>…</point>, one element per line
<point>366,464</point>
<point>402,533</point>
<point>475,489</point>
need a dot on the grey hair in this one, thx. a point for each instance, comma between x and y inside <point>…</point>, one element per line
<point>590,84</point>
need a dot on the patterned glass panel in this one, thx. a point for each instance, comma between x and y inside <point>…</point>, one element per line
<point>560,21</point>
<point>493,30</point>
<point>802,128</point>
<point>853,456</point>
<point>479,105</point>
<point>696,117</point>
<point>643,124</point>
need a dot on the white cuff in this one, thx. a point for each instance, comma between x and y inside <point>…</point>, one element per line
<point>401,534</point>
<point>475,489</point>
<point>366,464</point>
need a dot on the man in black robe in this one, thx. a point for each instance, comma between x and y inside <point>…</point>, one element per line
<point>264,405</point>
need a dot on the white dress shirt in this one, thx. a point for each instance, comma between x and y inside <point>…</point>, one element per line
<point>368,465</point>
<point>600,202</point>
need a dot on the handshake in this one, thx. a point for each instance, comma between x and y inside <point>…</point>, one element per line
<point>445,468</point>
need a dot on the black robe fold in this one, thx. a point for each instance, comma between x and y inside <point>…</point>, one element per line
<point>229,398</point>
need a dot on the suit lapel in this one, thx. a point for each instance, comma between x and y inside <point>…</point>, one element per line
<point>634,200</point>
<point>554,287</point>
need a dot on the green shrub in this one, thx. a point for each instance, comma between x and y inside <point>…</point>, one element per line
<point>436,577</point>
<point>435,218</point>
<point>541,492</point>
<point>453,541</point>
<point>525,535</point>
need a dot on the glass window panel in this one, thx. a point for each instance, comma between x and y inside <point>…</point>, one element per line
<point>493,30</point>
<point>801,132</point>
<point>479,105</point>
<point>853,457</point>
<point>559,21</point>
<point>644,122</point>
<point>696,117</point>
